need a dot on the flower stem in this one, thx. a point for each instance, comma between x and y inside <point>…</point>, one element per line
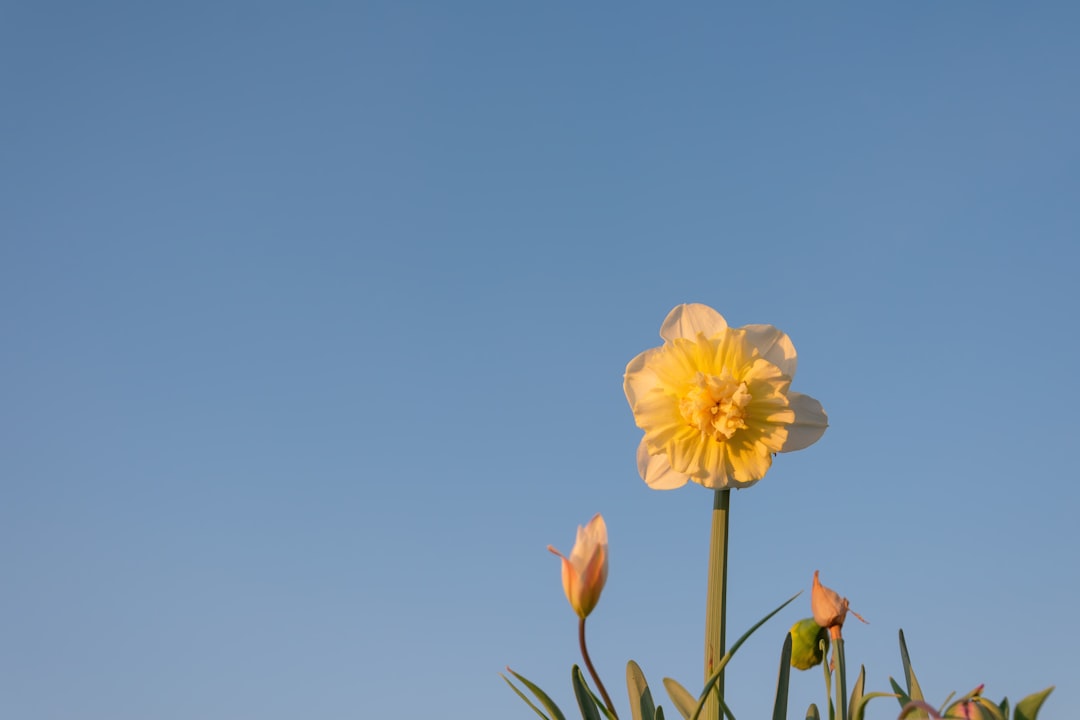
<point>715,612</point>
<point>592,670</point>
<point>841,678</point>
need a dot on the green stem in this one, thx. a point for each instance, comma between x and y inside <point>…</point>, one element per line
<point>592,670</point>
<point>715,612</point>
<point>841,678</point>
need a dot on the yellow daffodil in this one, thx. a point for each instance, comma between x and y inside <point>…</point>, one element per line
<point>585,571</point>
<point>714,402</point>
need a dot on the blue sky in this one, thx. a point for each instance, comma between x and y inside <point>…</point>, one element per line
<point>315,318</point>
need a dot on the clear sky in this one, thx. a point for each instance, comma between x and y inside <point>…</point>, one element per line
<point>314,318</point>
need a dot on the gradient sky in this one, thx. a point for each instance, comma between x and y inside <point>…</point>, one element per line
<point>315,315</point>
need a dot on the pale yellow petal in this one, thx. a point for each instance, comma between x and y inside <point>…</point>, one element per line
<point>774,345</point>
<point>809,425</point>
<point>684,453</point>
<point>656,471</point>
<point>686,321</point>
<point>639,378</point>
<point>720,475</point>
<point>712,460</point>
<point>749,462</point>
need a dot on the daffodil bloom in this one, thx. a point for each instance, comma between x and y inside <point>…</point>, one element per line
<point>714,402</point>
<point>585,571</point>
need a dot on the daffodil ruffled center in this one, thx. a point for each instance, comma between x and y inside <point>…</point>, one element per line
<point>716,404</point>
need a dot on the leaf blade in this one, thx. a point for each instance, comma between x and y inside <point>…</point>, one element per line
<point>781,703</point>
<point>642,706</point>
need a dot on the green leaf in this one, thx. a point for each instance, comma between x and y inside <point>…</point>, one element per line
<point>585,698</point>
<point>724,708</point>
<point>681,698</point>
<point>641,702</point>
<point>812,713</point>
<point>547,702</point>
<point>719,669</point>
<point>780,705</point>
<point>859,708</point>
<point>901,696</point>
<point>599,701</point>
<point>600,704</point>
<point>913,689</point>
<point>857,693</point>
<point>1028,708</point>
<point>659,713</point>
<point>522,696</point>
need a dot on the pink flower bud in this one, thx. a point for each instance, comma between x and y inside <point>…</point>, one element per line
<point>585,571</point>
<point>828,607</point>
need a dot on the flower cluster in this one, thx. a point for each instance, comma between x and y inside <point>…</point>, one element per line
<point>715,406</point>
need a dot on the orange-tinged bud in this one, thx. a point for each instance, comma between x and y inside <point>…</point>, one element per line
<point>828,607</point>
<point>585,571</point>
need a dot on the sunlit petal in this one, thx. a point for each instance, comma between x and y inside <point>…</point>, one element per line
<point>809,425</point>
<point>686,321</point>
<point>775,346</point>
<point>656,471</point>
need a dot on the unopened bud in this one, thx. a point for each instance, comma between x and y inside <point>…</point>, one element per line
<point>828,607</point>
<point>806,644</point>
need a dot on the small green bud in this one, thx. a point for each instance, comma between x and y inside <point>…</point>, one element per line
<point>806,648</point>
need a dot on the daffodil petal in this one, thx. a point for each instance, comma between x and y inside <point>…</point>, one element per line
<point>749,462</point>
<point>774,345</point>
<point>656,471</point>
<point>639,378</point>
<point>810,422</point>
<point>686,321</point>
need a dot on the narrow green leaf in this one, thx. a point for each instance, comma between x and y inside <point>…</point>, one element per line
<point>584,696</point>
<point>659,713</point>
<point>856,694</point>
<point>522,696</point>
<point>812,713</point>
<point>547,702</point>
<point>641,701</point>
<point>780,705</point>
<point>600,704</point>
<point>1028,708</point>
<point>719,669</point>
<point>724,708</point>
<point>599,701</point>
<point>859,708</point>
<point>913,689</point>
<point>681,698</point>
<point>901,696</point>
